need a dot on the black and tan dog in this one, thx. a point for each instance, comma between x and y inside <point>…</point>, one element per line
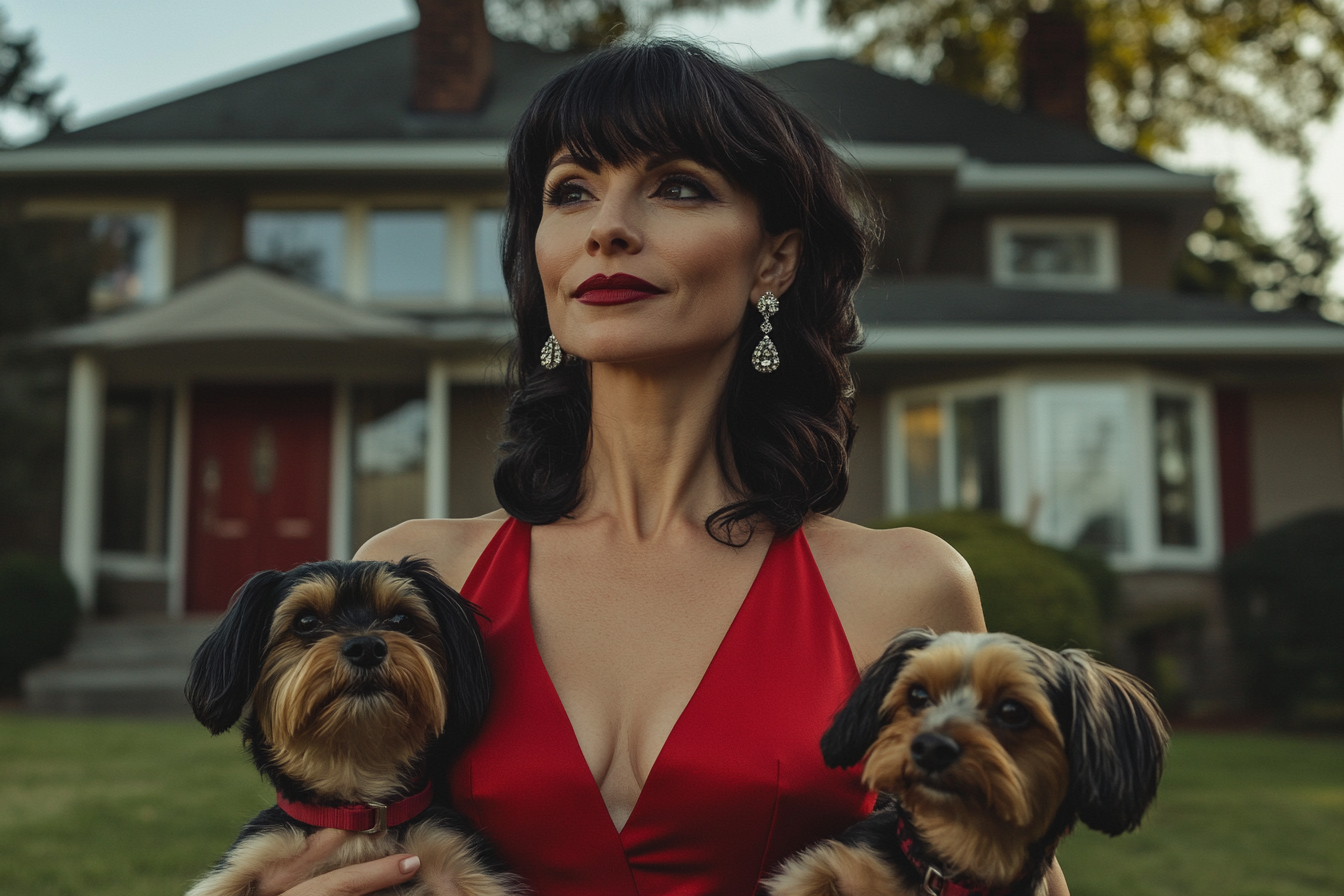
<point>357,683</point>
<point>991,749</point>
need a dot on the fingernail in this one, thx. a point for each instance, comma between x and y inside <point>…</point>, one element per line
<point>409,865</point>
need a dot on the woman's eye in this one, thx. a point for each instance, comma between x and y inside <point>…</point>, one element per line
<point>401,623</point>
<point>566,193</point>
<point>918,699</point>
<point>307,624</point>
<point>681,187</point>
<point>1011,714</point>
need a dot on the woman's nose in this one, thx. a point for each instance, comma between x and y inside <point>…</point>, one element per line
<point>615,229</point>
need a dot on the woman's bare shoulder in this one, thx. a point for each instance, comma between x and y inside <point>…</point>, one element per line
<point>451,546</point>
<point>884,580</point>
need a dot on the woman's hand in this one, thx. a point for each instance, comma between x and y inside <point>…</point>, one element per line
<point>291,878</point>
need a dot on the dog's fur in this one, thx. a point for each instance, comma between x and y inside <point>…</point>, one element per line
<point>355,683</point>
<point>992,748</point>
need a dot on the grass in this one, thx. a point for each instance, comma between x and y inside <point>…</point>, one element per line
<point>1236,815</point>
<point>139,808</point>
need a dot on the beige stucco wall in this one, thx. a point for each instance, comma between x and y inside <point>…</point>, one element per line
<point>474,423</point>
<point>1297,453</point>
<point>863,504</point>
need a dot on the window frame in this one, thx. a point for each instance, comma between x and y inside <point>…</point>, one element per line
<point>459,209</point>
<point>160,273</point>
<point>1106,278</point>
<point>1020,441</point>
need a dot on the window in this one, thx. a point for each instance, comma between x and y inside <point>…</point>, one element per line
<point>390,427</point>
<point>136,426</point>
<point>130,264</point>
<point>1122,462</point>
<point>1054,253</point>
<point>306,245</point>
<point>487,227</point>
<point>1083,464</point>
<point>407,253</point>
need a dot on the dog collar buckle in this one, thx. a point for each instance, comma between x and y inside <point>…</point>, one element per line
<point>380,822</point>
<point>930,875</point>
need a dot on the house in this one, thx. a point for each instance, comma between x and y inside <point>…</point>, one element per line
<point>298,331</point>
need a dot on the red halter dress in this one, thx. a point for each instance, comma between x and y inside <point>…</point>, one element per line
<point>738,786</point>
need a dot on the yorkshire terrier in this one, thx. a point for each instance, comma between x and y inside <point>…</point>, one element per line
<point>989,748</point>
<point>357,683</point>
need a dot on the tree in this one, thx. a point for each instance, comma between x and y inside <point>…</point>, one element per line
<point>1228,256</point>
<point>20,87</point>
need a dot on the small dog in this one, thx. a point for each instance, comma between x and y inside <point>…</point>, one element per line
<point>357,684</point>
<point>992,748</point>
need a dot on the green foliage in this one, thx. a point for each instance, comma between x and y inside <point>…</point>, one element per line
<point>1285,602</point>
<point>1040,593</point>
<point>1157,66</point>
<point>40,609</point>
<point>20,88</point>
<point>1227,256</point>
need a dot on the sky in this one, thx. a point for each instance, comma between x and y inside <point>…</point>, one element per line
<point>117,55</point>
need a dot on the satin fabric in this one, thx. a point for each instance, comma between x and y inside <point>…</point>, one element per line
<point>739,784</point>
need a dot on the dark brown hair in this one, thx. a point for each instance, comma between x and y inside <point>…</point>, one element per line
<point>785,436</point>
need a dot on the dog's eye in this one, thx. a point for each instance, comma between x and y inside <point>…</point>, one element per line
<point>401,623</point>
<point>1011,714</point>
<point>918,699</point>
<point>307,624</point>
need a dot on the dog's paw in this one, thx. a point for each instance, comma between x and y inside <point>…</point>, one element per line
<point>835,869</point>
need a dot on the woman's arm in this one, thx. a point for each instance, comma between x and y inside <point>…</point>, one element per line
<point>289,878</point>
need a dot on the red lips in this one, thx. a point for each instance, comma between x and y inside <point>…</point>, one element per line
<point>618,289</point>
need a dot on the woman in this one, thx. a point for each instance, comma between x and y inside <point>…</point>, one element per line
<point>682,249</point>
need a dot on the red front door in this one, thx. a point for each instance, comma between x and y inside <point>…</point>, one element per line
<point>260,478</point>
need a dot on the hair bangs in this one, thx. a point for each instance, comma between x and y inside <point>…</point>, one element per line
<point>647,100</point>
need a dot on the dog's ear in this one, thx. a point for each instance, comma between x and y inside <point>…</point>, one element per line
<point>1117,742</point>
<point>469,685</point>
<point>856,726</point>
<point>227,665</point>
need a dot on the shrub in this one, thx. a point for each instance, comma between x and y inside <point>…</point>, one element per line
<point>1285,604</point>
<point>39,608</point>
<point>1036,592</point>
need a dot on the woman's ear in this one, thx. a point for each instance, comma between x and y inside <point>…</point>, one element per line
<point>779,262</point>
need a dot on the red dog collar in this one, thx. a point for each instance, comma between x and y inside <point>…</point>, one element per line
<point>936,883</point>
<point>371,818</point>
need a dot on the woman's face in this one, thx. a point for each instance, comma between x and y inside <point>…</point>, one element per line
<point>653,261</point>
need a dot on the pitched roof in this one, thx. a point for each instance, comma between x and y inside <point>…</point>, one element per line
<point>244,302</point>
<point>968,317</point>
<point>361,92</point>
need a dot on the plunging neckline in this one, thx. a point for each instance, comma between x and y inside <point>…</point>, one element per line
<point>558,706</point>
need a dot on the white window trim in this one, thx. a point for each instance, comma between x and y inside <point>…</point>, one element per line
<point>459,256</point>
<point>159,276</point>
<point>1017,448</point>
<point>1108,252</point>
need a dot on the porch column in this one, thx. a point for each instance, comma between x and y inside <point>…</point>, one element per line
<point>339,533</point>
<point>81,515</point>
<point>179,488</point>
<point>438,395</point>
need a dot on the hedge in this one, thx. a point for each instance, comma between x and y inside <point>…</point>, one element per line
<point>40,608</point>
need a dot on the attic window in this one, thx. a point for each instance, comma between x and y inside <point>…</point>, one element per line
<point>1054,253</point>
<point>130,267</point>
<point>408,249</point>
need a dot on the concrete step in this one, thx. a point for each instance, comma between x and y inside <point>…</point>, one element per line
<point>119,667</point>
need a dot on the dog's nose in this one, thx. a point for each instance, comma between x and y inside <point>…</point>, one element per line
<point>934,752</point>
<point>366,651</point>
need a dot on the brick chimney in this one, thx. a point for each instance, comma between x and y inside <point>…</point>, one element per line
<point>452,56</point>
<point>1053,63</point>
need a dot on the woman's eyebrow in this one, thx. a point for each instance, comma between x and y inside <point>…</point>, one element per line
<point>584,162</point>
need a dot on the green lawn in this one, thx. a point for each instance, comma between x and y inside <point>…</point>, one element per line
<point>138,808</point>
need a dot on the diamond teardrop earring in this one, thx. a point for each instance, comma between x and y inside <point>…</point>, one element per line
<point>765,357</point>
<point>551,353</point>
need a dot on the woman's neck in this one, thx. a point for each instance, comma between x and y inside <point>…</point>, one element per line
<point>652,462</point>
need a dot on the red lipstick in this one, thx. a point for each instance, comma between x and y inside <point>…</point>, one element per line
<point>618,289</point>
